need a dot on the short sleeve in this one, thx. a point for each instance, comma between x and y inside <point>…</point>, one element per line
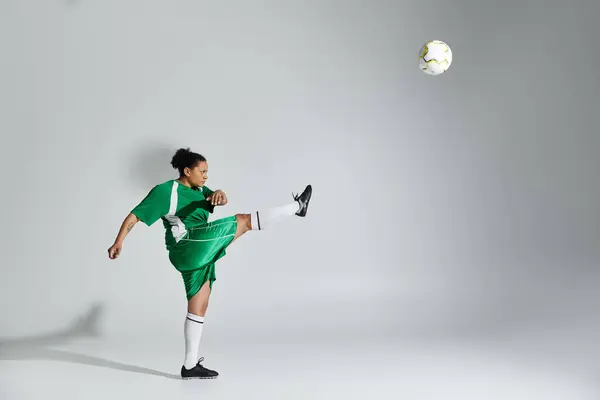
<point>207,192</point>
<point>155,205</point>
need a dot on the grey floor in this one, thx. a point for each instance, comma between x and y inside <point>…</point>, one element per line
<point>78,363</point>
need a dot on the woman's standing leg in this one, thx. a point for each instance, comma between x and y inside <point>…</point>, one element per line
<point>194,325</point>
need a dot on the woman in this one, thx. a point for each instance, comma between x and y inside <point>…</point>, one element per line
<point>193,243</point>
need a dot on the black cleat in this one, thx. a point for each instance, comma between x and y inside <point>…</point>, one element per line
<point>198,372</point>
<point>303,200</point>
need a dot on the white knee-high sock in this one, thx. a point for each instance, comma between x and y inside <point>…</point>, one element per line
<point>193,334</point>
<point>261,219</point>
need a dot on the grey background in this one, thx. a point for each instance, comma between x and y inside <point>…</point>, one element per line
<point>463,207</point>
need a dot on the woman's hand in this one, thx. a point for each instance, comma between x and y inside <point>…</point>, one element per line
<point>218,198</point>
<point>115,250</point>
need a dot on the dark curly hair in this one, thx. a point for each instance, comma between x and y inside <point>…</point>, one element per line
<point>185,158</point>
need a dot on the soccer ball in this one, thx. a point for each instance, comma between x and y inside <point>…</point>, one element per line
<point>435,57</point>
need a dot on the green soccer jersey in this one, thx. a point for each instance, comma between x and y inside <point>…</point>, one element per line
<point>179,206</point>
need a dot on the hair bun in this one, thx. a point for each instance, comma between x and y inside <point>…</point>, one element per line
<point>185,158</point>
<point>180,158</point>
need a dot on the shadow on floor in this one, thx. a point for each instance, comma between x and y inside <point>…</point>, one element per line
<point>87,326</point>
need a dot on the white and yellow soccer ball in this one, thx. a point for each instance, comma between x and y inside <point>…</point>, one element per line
<point>435,57</point>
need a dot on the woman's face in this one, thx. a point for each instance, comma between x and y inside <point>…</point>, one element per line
<point>198,175</point>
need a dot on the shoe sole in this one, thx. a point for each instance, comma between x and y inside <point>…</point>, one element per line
<point>303,213</point>
<point>198,377</point>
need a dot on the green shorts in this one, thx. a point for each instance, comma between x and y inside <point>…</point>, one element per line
<point>195,255</point>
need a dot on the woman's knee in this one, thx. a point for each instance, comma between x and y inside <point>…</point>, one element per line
<point>244,221</point>
<point>198,304</point>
